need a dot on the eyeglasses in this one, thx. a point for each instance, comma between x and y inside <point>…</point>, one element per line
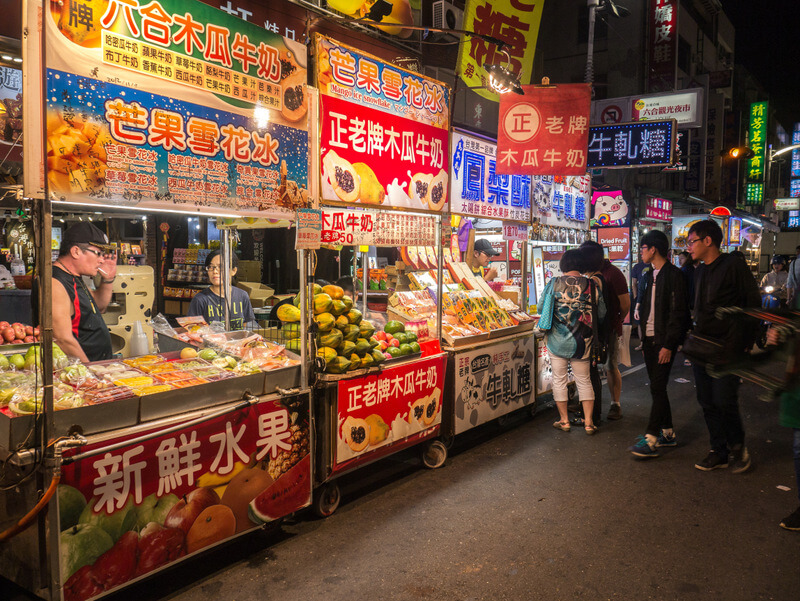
<point>213,268</point>
<point>96,253</point>
<point>691,242</point>
<point>644,247</point>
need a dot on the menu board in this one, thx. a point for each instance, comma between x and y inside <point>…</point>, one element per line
<point>383,132</point>
<point>174,104</point>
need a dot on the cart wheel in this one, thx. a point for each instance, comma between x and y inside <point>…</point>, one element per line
<point>447,440</point>
<point>326,499</point>
<point>434,455</point>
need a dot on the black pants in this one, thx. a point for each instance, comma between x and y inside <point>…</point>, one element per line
<point>719,401</point>
<point>660,411</point>
<point>597,386</point>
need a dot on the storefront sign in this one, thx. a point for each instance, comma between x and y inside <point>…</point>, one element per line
<point>617,241</point>
<point>610,209</point>
<point>734,231</point>
<point>632,144</point>
<point>662,47</point>
<point>308,229</point>
<point>377,228</point>
<point>10,112</point>
<point>796,153</point>
<point>478,190</point>
<point>174,104</point>
<point>658,208</point>
<point>787,204</point>
<point>515,22</point>
<point>757,142</point>
<point>384,132</point>
<point>515,232</point>
<point>685,107</point>
<point>793,221</point>
<point>561,201</point>
<point>492,381</point>
<point>388,408</point>
<point>537,259</point>
<point>545,131</point>
<point>142,507</point>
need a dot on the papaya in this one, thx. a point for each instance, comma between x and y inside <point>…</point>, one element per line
<point>346,348</point>
<point>373,342</point>
<point>378,357</point>
<point>317,289</point>
<point>355,362</point>
<point>328,354</point>
<point>338,307</point>
<point>354,315</point>
<point>293,90</point>
<point>296,300</point>
<point>378,429</point>
<point>325,322</point>
<point>348,303</point>
<point>342,322</point>
<point>293,345</point>
<point>351,332</point>
<point>366,329</point>
<point>342,176</point>
<point>394,327</point>
<point>419,188</point>
<point>339,365</point>
<point>330,339</point>
<point>355,432</point>
<point>335,292</point>
<point>367,360</point>
<point>363,346</point>
<point>322,303</point>
<point>288,313</point>
<point>291,330</point>
<point>437,193</point>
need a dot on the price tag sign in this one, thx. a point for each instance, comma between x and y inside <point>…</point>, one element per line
<point>515,232</point>
<point>309,229</point>
<point>372,228</point>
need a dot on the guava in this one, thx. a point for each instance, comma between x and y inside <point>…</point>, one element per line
<point>71,503</point>
<point>80,546</point>
<point>115,524</point>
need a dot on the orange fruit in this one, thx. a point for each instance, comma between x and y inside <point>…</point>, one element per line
<point>214,524</point>
<point>245,486</point>
<point>188,353</point>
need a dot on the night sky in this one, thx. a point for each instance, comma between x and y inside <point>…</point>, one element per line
<point>768,44</point>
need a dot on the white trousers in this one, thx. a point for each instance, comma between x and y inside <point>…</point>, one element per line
<point>580,370</point>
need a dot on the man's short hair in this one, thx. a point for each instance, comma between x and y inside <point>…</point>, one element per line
<point>656,239</point>
<point>593,255</point>
<point>572,260</point>
<point>707,228</point>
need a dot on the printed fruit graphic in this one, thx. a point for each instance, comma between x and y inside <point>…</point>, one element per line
<point>159,545</point>
<point>356,433</point>
<point>335,292</point>
<point>82,585</point>
<point>117,565</point>
<point>288,313</point>
<point>214,524</point>
<point>293,90</point>
<point>185,511</point>
<point>378,429</point>
<point>81,545</point>
<point>418,188</point>
<point>290,492</point>
<point>188,353</point>
<point>115,524</point>
<point>372,191</point>
<point>431,408</point>
<point>437,193</point>
<point>417,411</point>
<point>154,509</point>
<point>343,178</point>
<point>244,487</point>
<point>71,504</point>
<point>86,33</point>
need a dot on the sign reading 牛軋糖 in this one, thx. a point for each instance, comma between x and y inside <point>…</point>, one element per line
<point>640,144</point>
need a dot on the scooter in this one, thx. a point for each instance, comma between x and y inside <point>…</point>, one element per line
<point>768,301</point>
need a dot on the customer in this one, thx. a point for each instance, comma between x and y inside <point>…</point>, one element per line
<point>793,281</point>
<point>567,317</point>
<point>687,269</point>
<point>619,304</point>
<point>776,279</point>
<point>664,315</point>
<point>637,281</point>
<point>723,281</point>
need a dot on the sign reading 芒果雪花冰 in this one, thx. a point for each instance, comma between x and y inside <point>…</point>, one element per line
<point>757,142</point>
<point>383,132</point>
<point>641,144</point>
<point>174,104</point>
<point>545,131</point>
<point>477,189</point>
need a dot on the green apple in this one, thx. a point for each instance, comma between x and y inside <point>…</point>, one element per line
<point>115,524</point>
<point>80,546</point>
<point>154,509</point>
<point>71,504</point>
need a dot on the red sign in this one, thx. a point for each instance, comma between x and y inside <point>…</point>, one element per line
<point>617,240</point>
<point>544,132</point>
<point>663,45</point>
<point>658,208</point>
<point>397,405</point>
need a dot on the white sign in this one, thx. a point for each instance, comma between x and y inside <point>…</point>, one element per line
<point>787,204</point>
<point>377,228</point>
<point>309,229</point>
<point>515,232</point>
<point>562,201</point>
<point>538,275</point>
<point>686,107</point>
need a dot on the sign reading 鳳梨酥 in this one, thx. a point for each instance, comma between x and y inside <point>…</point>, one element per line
<point>641,144</point>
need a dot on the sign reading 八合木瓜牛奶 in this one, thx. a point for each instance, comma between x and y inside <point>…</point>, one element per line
<point>383,132</point>
<point>174,104</point>
<point>367,227</point>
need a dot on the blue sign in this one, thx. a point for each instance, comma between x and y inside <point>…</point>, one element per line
<point>794,219</point>
<point>640,144</point>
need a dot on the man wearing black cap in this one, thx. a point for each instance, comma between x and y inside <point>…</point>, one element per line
<point>483,252</point>
<point>78,325</point>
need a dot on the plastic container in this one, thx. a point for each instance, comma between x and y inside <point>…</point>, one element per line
<point>17,266</point>
<point>138,345</point>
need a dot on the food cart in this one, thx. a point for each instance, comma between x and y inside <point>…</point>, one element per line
<point>152,459</point>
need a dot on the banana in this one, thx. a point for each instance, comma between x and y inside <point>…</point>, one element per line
<point>214,480</point>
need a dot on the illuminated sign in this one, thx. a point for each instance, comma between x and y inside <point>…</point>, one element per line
<point>721,212</point>
<point>754,194</point>
<point>757,141</point>
<point>644,144</point>
<point>794,219</point>
<point>787,204</point>
<point>658,208</point>
<point>662,17</point>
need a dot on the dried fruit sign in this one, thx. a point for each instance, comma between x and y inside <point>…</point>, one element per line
<point>384,134</point>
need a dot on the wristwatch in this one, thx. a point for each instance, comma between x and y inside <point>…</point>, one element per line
<point>105,281</point>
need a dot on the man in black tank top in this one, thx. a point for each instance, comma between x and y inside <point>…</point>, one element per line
<point>78,326</point>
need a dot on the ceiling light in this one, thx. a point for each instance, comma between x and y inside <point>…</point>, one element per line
<point>17,59</point>
<point>6,57</point>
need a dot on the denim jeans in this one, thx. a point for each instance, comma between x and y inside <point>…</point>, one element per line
<point>660,411</point>
<point>720,404</point>
<point>796,449</point>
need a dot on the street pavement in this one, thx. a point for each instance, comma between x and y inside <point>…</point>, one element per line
<point>523,511</point>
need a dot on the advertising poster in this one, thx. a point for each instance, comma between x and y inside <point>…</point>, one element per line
<point>476,188</point>
<point>610,209</point>
<point>174,104</point>
<point>383,134</point>
<point>493,381</point>
<point>681,225</point>
<point>617,240</point>
<point>398,404</point>
<point>10,112</point>
<point>376,228</point>
<point>562,201</point>
<point>142,507</point>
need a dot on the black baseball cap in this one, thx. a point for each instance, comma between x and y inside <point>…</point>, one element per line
<point>85,233</point>
<point>485,246</point>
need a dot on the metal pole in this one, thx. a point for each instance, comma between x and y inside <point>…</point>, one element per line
<point>364,281</point>
<point>593,5</point>
<point>225,275</point>
<point>440,273</point>
<point>302,261</point>
<point>524,250</point>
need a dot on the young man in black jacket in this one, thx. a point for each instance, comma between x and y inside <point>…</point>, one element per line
<point>664,319</point>
<point>722,281</point>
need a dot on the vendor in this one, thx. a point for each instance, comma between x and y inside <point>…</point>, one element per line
<point>209,303</point>
<point>482,254</point>
<point>78,326</point>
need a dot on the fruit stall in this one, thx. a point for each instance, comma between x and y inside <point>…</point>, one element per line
<point>143,461</point>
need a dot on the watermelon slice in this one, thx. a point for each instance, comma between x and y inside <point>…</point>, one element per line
<point>289,493</point>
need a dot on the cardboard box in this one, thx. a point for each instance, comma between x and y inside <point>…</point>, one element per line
<point>249,271</point>
<point>259,293</point>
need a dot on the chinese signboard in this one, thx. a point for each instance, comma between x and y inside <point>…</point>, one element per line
<point>787,204</point>
<point>686,107</point>
<point>545,131</point>
<point>308,228</point>
<point>377,228</point>
<point>477,189</point>
<point>662,45</point>
<point>515,22</point>
<point>492,381</point>
<point>174,104</point>
<point>617,241</point>
<point>793,221</point>
<point>561,201</point>
<point>384,132</point>
<point>515,232</point>
<point>141,507</point>
<point>610,209</point>
<point>632,144</point>
<point>398,404</point>
<point>10,108</point>
<point>734,231</point>
<point>658,208</point>
<point>794,182</point>
<point>757,141</point>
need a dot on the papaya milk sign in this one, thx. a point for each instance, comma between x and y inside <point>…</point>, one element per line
<point>383,133</point>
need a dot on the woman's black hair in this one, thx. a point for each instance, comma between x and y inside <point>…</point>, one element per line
<point>572,260</point>
<point>215,253</point>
